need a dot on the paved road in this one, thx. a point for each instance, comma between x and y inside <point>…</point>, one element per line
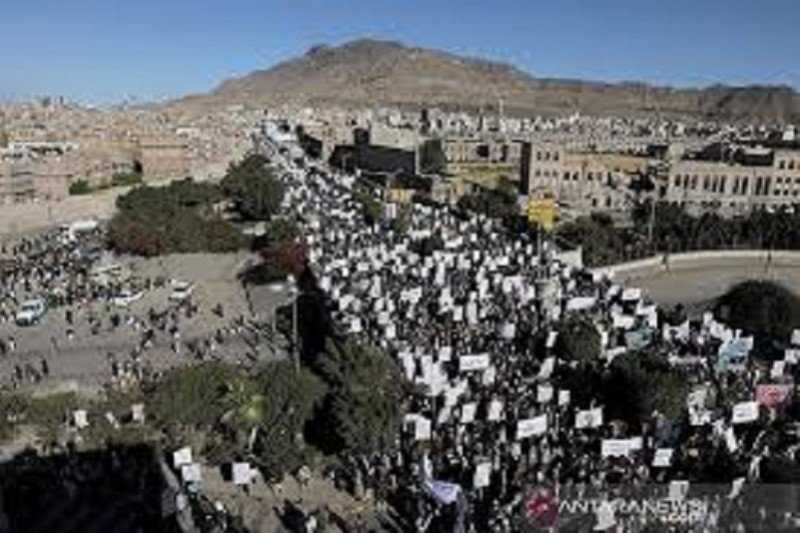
<point>703,281</point>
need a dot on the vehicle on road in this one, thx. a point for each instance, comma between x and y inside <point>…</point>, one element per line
<point>181,290</point>
<point>126,297</point>
<point>31,312</point>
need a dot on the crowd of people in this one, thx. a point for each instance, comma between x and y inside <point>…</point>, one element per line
<point>83,313</point>
<point>491,442</point>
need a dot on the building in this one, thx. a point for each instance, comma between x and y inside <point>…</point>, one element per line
<point>744,179</point>
<point>161,158</point>
<point>462,153</point>
<point>580,180</point>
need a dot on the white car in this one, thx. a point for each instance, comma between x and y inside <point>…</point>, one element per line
<point>31,312</point>
<point>126,297</point>
<point>181,290</point>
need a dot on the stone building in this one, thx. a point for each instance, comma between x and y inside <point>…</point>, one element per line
<point>162,158</point>
<point>466,152</point>
<point>752,178</point>
<point>579,180</point>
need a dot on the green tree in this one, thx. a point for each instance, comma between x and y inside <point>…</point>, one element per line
<point>432,157</point>
<point>364,406</point>
<point>639,383</point>
<point>254,188</point>
<point>269,414</point>
<point>768,309</point>
<point>79,187</point>
<point>191,396</point>
<point>578,340</point>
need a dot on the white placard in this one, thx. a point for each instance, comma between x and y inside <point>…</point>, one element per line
<point>468,411</point>
<point>112,420</point>
<point>182,457</point>
<point>242,474</point>
<point>678,490</point>
<point>544,393</point>
<point>495,411</point>
<point>615,447</point>
<point>547,368</point>
<point>137,412</point>
<point>483,473</point>
<point>467,363</point>
<point>564,397</point>
<point>590,418</point>
<point>445,353</point>
<point>745,412</point>
<point>81,419</point>
<point>551,339</point>
<point>531,427</point>
<point>191,473</point>
<point>663,457</point>
<point>778,368</point>
<point>631,294</point>
<point>791,356</point>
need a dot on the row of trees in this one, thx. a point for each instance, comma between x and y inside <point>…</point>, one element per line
<point>186,216</point>
<point>280,417</point>
<point>177,218</point>
<point>675,230</point>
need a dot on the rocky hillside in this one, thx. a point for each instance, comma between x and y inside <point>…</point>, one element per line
<point>370,72</point>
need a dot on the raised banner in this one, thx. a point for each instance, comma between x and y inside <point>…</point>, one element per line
<point>531,427</point>
<point>745,412</point>
<point>590,418</point>
<point>663,457</point>
<point>468,363</point>
<point>544,393</point>
<point>615,447</point>
<point>483,473</point>
<point>773,395</point>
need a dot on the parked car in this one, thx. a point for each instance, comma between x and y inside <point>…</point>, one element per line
<point>126,297</point>
<point>31,312</point>
<point>181,290</point>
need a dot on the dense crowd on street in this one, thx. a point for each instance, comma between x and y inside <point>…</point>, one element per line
<point>80,284</point>
<point>490,441</point>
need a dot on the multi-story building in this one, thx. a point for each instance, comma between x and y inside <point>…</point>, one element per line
<point>747,179</point>
<point>580,180</point>
<point>465,152</point>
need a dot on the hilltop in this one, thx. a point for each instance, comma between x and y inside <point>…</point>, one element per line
<point>371,72</point>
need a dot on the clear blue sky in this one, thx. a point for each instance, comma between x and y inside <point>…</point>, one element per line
<point>102,50</point>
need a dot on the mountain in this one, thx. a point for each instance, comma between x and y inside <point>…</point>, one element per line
<point>370,72</point>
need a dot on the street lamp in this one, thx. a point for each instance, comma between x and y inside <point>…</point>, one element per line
<point>294,292</point>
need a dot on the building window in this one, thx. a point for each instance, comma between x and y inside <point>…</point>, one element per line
<point>677,181</point>
<point>565,177</point>
<point>722,183</point>
<point>555,156</point>
<point>767,183</point>
<point>590,176</point>
<point>745,183</point>
<point>538,156</point>
<point>791,165</point>
<point>694,182</point>
<point>782,165</point>
<point>575,176</point>
<point>705,183</point>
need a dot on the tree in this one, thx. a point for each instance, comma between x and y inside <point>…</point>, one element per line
<point>178,218</point>
<point>578,340</point>
<point>277,262</point>
<point>432,157</point>
<point>764,308</point>
<point>639,383</point>
<point>79,187</point>
<point>364,407</point>
<point>371,208</point>
<point>254,188</point>
<point>288,400</point>
<point>191,396</point>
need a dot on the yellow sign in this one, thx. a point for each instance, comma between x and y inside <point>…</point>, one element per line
<point>542,212</point>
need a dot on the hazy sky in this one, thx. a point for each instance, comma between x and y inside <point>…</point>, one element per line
<point>103,50</point>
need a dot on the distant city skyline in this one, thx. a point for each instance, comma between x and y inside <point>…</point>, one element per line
<point>106,51</point>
